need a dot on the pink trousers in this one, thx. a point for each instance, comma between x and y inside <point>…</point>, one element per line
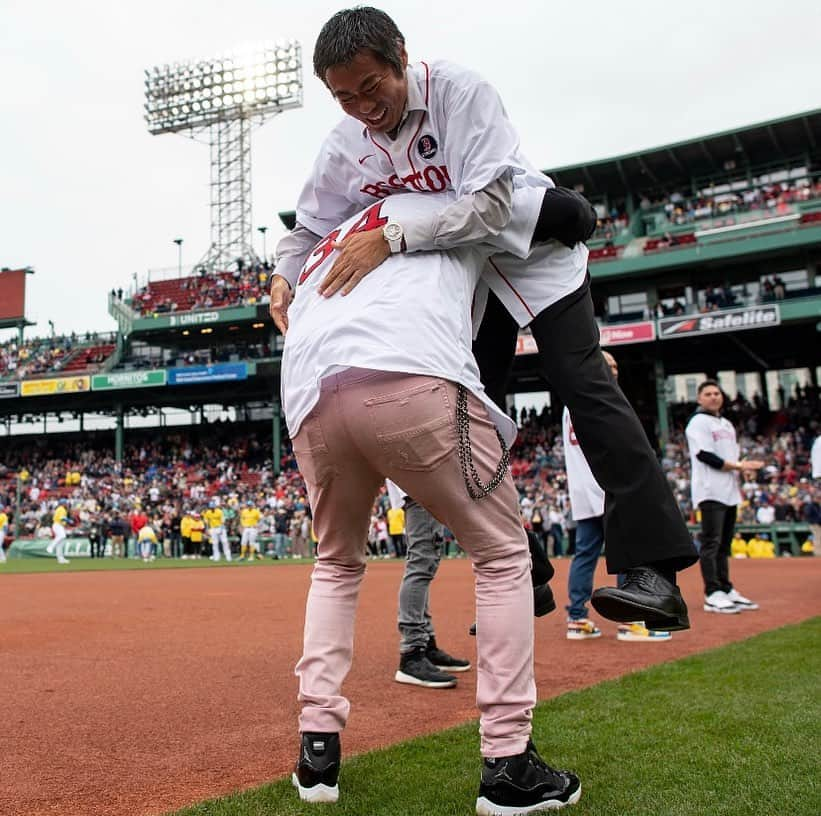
<point>371,425</point>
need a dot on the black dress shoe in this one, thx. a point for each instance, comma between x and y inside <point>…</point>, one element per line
<point>645,595</point>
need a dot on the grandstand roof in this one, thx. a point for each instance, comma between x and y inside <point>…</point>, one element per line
<point>776,142</point>
<point>676,166</point>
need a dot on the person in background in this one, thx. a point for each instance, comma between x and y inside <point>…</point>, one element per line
<point>715,465</point>
<point>4,528</point>
<point>249,518</point>
<point>587,501</point>
<point>147,540</point>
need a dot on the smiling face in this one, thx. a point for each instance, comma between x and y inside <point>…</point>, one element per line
<point>369,89</point>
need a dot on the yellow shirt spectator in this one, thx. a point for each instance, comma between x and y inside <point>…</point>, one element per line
<point>197,529</point>
<point>185,526</point>
<point>213,517</point>
<point>760,548</point>
<point>4,520</point>
<point>147,534</point>
<point>60,514</point>
<point>249,517</point>
<point>738,547</point>
<point>396,521</point>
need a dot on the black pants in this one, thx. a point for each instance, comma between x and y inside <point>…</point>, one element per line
<point>642,523</point>
<point>717,526</point>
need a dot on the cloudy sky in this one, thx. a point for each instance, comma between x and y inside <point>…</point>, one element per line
<point>90,198</point>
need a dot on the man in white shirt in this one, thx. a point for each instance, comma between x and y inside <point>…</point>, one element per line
<point>714,468</point>
<point>815,458</point>
<point>382,384</point>
<point>438,126</point>
<point>587,502</point>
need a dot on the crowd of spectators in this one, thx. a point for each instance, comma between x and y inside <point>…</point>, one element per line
<point>183,471</point>
<point>245,285</point>
<point>766,199</point>
<point>39,356</point>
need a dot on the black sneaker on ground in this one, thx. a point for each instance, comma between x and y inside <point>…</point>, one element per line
<point>416,670</point>
<point>645,595</point>
<point>524,783</point>
<point>443,661</point>
<point>317,769</point>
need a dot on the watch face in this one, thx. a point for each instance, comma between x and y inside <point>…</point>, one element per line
<point>393,232</point>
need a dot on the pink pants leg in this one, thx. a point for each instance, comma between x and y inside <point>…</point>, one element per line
<point>369,425</point>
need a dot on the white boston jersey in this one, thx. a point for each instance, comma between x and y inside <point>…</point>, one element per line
<point>712,434</point>
<point>457,138</point>
<point>411,315</point>
<point>586,497</point>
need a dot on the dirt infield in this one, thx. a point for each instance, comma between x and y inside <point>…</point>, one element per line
<point>129,693</point>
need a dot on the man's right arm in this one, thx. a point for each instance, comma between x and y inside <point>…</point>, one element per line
<point>291,252</point>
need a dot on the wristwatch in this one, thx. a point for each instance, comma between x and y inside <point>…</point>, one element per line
<point>394,235</point>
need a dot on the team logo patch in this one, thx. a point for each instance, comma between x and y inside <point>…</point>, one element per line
<point>427,146</point>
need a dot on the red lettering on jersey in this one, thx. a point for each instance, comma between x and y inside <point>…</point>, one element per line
<point>571,434</point>
<point>374,190</point>
<point>433,179</point>
<point>321,251</point>
<point>371,219</point>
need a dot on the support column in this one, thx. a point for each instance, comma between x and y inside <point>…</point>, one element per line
<point>276,435</point>
<point>18,504</point>
<point>119,434</point>
<point>662,407</point>
<point>762,388</point>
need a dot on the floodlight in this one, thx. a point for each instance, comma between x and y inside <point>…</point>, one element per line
<point>225,95</point>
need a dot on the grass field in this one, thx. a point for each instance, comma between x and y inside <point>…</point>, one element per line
<point>20,566</point>
<point>731,732</point>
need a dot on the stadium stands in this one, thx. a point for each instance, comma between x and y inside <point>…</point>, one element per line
<point>246,285</point>
<point>43,357</point>
<point>183,469</point>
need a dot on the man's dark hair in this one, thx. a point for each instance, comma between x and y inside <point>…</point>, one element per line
<point>706,384</point>
<point>351,30</point>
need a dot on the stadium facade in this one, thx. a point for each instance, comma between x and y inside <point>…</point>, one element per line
<point>707,260</point>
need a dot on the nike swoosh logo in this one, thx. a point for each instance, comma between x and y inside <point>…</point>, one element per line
<point>365,158</point>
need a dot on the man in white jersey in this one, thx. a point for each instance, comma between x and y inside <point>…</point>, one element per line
<point>587,502</point>
<point>435,127</point>
<point>714,468</point>
<point>382,384</point>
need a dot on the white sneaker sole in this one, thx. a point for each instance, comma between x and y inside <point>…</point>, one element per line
<point>453,668</point>
<point>640,639</point>
<point>401,677</point>
<point>318,793</point>
<point>583,635</point>
<point>746,607</point>
<point>729,610</point>
<point>484,807</point>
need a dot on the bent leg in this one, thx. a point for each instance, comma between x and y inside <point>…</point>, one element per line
<point>642,522</point>
<point>425,463</point>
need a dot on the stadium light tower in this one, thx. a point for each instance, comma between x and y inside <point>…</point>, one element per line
<point>225,97</point>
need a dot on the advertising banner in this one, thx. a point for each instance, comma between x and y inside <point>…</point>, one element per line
<point>726,320</point>
<point>57,385</point>
<point>219,372</point>
<point>128,379</point>
<point>624,333</point>
<point>9,390</point>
